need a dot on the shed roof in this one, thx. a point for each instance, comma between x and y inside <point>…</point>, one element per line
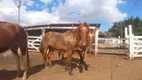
<point>58,26</point>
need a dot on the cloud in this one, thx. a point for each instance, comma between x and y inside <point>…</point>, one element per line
<point>9,12</point>
<point>61,11</point>
<point>88,10</point>
<point>30,2</point>
<point>121,1</point>
<point>46,1</point>
<point>23,2</point>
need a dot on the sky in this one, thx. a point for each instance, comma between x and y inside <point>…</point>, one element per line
<point>38,12</point>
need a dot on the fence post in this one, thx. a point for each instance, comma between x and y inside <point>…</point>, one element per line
<point>96,42</point>
<point>126,32</point>
<point>43,31</point>
<point>126,37</point>
<point>131,43</point>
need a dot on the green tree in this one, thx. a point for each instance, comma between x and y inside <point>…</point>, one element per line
<point>118,27</point>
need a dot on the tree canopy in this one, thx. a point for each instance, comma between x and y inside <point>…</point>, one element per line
<point>118,27</point>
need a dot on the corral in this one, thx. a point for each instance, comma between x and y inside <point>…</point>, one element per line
<point>103,67</point>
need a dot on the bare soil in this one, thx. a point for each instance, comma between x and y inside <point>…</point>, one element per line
<point>104,67</point>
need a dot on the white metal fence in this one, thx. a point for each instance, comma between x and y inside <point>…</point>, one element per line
<point>110,40</point>
<point>112,43</point>
<point>34,42</point>
<point>135,43</point>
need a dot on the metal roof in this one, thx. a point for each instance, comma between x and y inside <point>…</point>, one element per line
<point>58,26</point>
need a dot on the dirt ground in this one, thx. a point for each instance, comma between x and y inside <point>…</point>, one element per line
<point>104,67</point>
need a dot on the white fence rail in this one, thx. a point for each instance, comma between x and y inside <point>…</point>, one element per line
<point>110,40</point>
<point>34,42</point>
<point>135,43</point>
<point>112,43</point>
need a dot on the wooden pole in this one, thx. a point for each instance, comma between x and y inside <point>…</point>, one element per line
<point>126,36</point>
<point>19,5</point>
<point>131,43</point>
<point>96,43</point>
<point>43,31</point>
